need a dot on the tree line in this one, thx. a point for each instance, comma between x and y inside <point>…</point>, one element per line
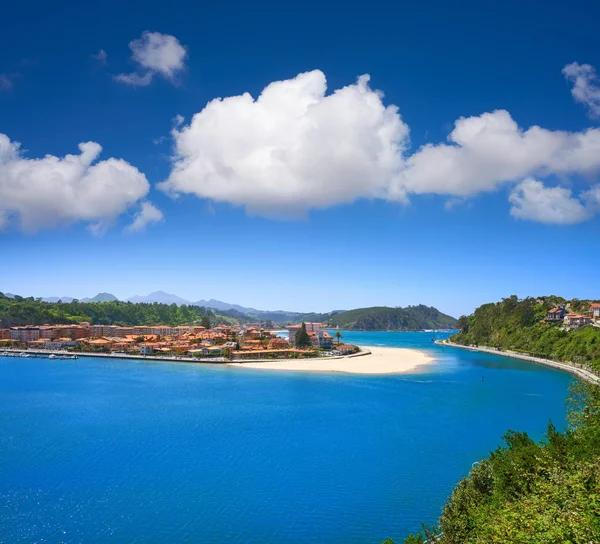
<point>20,311</point>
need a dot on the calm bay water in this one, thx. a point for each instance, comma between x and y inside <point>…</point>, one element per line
<point>99,450</point>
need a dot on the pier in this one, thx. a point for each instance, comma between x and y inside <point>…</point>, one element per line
<point>37,355</point>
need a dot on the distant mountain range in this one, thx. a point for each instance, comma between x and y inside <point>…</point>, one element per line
<point>164,298</point>
<point>161,297</point>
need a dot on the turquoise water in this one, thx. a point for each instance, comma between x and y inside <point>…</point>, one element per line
<point>99,450</point>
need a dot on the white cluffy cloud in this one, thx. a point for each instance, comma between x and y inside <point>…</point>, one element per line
<point>55,190</point>
<point>490,149</point>
<point>294,148</point>
<point>532,200</point>
<point>155,54</point>
<point>148,214</point>
<point>586,86</point>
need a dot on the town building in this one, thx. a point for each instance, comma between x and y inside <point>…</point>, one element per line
<point>595,310</point>
<point>161,330</point>
<point>278,343</point>
<point>103,330</point>
<point>310,327</point>
<point>24,334</point>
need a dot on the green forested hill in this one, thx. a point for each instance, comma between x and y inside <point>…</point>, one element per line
<point>29,311</point>
<point>519,325</point>
<point>382,318</point>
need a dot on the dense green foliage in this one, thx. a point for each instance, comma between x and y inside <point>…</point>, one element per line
<point>382,318</point>
<point>28,311</point>
<point>302,340</point>
<point>532,493</point>
<point>520,325</point>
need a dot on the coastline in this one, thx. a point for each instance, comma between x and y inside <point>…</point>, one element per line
<point>372,360</point>
<point>579,372</point>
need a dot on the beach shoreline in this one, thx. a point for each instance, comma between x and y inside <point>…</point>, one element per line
<point>374,360</point>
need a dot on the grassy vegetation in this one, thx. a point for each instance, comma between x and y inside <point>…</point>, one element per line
<point>382,318</point>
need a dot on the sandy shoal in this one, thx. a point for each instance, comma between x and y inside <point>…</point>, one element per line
<point>381,360</point>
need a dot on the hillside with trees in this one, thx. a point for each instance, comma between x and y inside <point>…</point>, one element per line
<point>382,318</point>
<point>17,311</point>
<point>520,325</point>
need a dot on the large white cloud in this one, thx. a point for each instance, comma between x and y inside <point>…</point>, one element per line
<point>154,53</point>
<point>586,86</point>
<point>490,149</point>
<point>532,200</point>
<point>53,190</point>
<point>292,149</point>
<point>295,148</point>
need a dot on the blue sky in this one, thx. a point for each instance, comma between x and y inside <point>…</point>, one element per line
<point>426,184</point>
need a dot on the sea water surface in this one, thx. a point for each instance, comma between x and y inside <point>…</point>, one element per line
<point>105,450</point>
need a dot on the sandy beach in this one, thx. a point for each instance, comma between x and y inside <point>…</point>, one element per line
<point>381,360</point>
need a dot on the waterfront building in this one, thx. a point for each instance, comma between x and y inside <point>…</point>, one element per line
<point>319,337</point>
<point>24,334</point>
<point>60,343</point>
<point>147,348</point>
<point>161,330</point>
<point>4,334</point>
<point>310,327</point>
<point>103,330</point>
<point>65,331</point>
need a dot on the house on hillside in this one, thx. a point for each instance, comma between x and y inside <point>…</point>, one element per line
<point>595,310</point>
<point>556,314</point>
<point>576,320</point>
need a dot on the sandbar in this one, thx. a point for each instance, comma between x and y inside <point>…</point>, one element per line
<point>380,360</point>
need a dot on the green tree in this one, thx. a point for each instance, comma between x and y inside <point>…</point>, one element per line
<point>302,340</point>
<point>205,322</point>
<point>338,335</point>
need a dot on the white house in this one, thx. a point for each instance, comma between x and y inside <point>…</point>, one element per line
<point>575,320</point>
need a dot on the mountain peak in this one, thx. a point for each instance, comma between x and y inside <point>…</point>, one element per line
<point>161,297</point>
